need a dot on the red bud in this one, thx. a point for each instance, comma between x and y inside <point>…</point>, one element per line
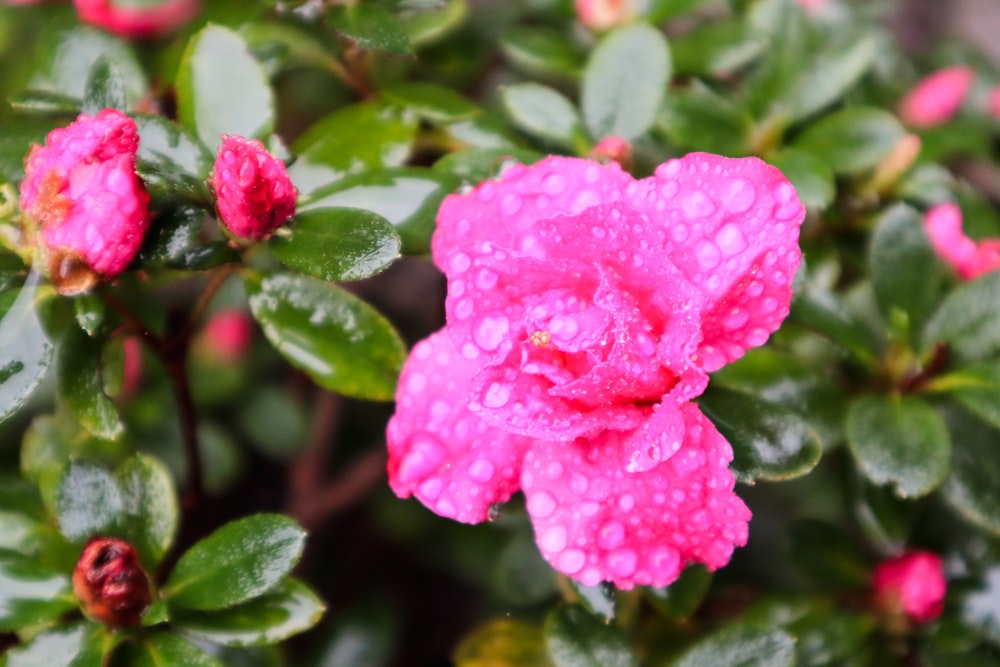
<point>110,582</point>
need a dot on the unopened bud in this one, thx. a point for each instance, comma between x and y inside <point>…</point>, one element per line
<point>602,15</point>
<point>613,149</point>
<point>937,97</point>
<point>138,20</point>
<point>910,588</point>
<point>896,163</point>
<point>110,583</point>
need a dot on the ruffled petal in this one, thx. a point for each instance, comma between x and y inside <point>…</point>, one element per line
<point>733,227</point>
<point>594,521</point>
<point>453,462</point>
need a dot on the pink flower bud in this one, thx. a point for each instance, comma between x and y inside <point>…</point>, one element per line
<point>84,201</point>
<point>613,149</point>
<point>137,20</point>
<point>970,259</point>
<point>228,335</point>
<point>110,583</point>
<point>253,191</point>
<point>993,102</point>
<point>912,585</point>
<point>936,98</point>
<point>601,15</point>
<point>132,367</point>
<point>811,6</point>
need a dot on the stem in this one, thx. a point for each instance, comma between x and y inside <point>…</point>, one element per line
<point>216,279</point>
<point>176,365</point>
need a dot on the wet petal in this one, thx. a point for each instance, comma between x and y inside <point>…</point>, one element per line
<point>594,521</point>
<point>452,461</point>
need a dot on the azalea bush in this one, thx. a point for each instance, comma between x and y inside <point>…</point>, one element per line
<point>541,333</point>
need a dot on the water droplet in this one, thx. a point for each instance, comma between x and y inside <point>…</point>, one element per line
<point>611,535</point>
<point>463,309</point>
<point>592,174</point>
<point>571,561</point>
<point>481,470</point>
<point>487,192</point>
<point>731,240</point>
<point>470,351</point>
<point>541,504</point>
<point>669,189</point>
<point>416,382</point>
<point>564,328</point>
<point>755,289</point>
<point>622,563</point>
<point>431,489</point>
<point>664,563</point>
<point>708,254</point>
<point>579,484</point>
<point>486,279</point>
<point>510,204</point>
<point>426,453</point>
<point>459,262</point>
<point>626,503</point>
<point>757,337</point>
<point>554,470</point>
<point>770,304</point>
<point>679,232</point>
<point>737,318</point>
<point>787,206</point>
<point>738,195</point>
<point>696,205</point>
<point>496,395</point>
<point>554,184</point>
<point>553,539</point>
<point>671,168</point>
<point>446,508</point>
<point>584,200</point>
<point>491,331</point>
<point>598,232</point>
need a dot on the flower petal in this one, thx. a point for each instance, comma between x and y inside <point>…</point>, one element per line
<point>733,227</point>
<point>594,521</point>
<point>439,451</point>
<point>969,259</point>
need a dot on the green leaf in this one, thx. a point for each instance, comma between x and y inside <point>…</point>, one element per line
<point>503,643</point>
<point>355,138</point>
<point>429,22</point>
<point>81,389</point>
<point>968,320</point>
<point>150,506</point>
<point>682,598</point>
<point>770,441</point>
<point>521,575</point>
<point>286,46</point>
<point>544,113</point>
<point>175,234</point>
<point>90,311</point>
<point>97,644</point>
<point>43,102</point>
<point>542,52</point>
<point>575,638</point>
<point>105,88</point>
<point>166,143</point>
<point>274,422</point>
<point>599,599</point>
<point>25,349</point>
<point>899,440</point>
<point>431,102</point>
<point>363,635</point>
<point>826,313</point>
<point>238,562</point>
<point>811,176</point>
<point>619,97</point>
<point>211,100</point>
<point>971,488</point>
<point>408,197</point>
<point>825,553</point>
<point>473,165</point>
<point>87,501</point>
<point>371,26</point>
<point>339,340</point>
<point>658,11</point>
<point>977,387</point>
<point>337,244</point>
<point>55,647</point>
<point>162,648</point>
<point>288,609</point>
<point>741,645</point>
<point>902,266</point>
<point>698,118</point>
<point>716,48</point>
<point>17,135</point>
<point>205,256</point>
<point>30,594</point>
<point>852,140</point>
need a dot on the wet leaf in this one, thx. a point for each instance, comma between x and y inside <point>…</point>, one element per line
<point>599,600</point>
<point>741,645</point>
<point>432,21</point>
<point>544,113</point>
<point>150,506</point>
<point>715,48</point>
<point>31,594</point>
<point>163,141</point>
<point>162,648</point>
<point>81,388</point>
<point>56,647</point>
<point>811,176</point>
<point>25,349</point>
<point>682,598</point>
<point>576,638</point>
<point>87,501</point>
<point>852,140</point>
<point>542,51</point>
<point>431,102</point>
<point>968,319</point>
<point>971,487</point>
<point>105,88</point>
<point>371,26</point>
<point>698,118</point>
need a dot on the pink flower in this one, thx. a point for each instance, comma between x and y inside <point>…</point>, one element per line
<point>138,20</point>
<point>82,196</point>
<point>993,102</point>
<point>584,312</point>
<point>812,6</point>
<point>912,584</point>
<point>131,367</point>
<point>601,15</point>
<point>229,334</point>
<point>970,259</point>
<point>936,98</point>
<point>254,193</point>
<point>613,148</point>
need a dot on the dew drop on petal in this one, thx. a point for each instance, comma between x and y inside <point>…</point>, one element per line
<point>416,382</point>
<point>757,337</point>
<point>486,279</point>
<point>622,563</point>
<point>459,262</point>
<point>679,232</point>
<point>481,470</point>
<point>490,332</point>
<point>731,240</point>
<point>664,562</point>
<point>563,328</point>
<point>592,174</point>
<point>487,192</point>
<point>510,204</point>
<point>571,561</point>
<point>496,395</point>
<point>696,205</point>
<point>708,254</point>
<point>554,470</point>
<point>431,488</point>
<point>626,503</point>
<point>553,540</point>
<point>541,504</point>
<point>584,200</point>
<point>669,189</point>
<point>738,195</point>
<point>579,484</point>
<point>463,309</point>
<point>611,535</point>
<point>554,184</point>
<point>424,456</point>
<point>787,206</point>
<point>736,318</point>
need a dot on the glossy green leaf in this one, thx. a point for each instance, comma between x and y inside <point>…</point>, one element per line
<point>832,637</point>
<point>206,256</point>
<point>362,635</point>
<point>337,244</point>
<point>426,23</point>
<point>503,643</point>
<point>151,512</point>
<point>826,313</point>
<point>968,319</point>
<point>899,440</point>
<point>977,387</point>
<point>474,165</point>
<point>618,97</point>
<point>288,609</point>
<point>542,52</point>
<point>31,594</point>
<point>811,176</point>
<point>770,441</point>
<point>824,552</point>
<point>175,233</point>
<point>371,25</point>
<point>90,311</point>
<point>43,102</point>
<point>81,389</point>
<point>979,610</point>
<point>164,142</point>
<point>971,488</point>
<point>17,134</point>
<point>852,140</point>
<point>408,197</point>
<point>682,598</point>
<point>87,501</point>
<point>544,113</point>
<point>698,118</point>
<point>902,266</point>
<point>355,138</point>
<point>926,185</point>
<point>576,638</point>
<point>98,643</point>
<point>56,647</point>
<point>339,340</point>
<point>431,102</point>
<point>716,48</point>
<point>599,600</point>
<point>285,46</point>
<point>521,575</point>
<point>162,648</point>
<point>238,562</point>
<point>741,645</point>
<point>212,100</point>
<point>25,349</point>
<point>658,11</point>
<point>105,88</point>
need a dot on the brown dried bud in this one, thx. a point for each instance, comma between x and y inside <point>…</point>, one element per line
<point>110,582</point>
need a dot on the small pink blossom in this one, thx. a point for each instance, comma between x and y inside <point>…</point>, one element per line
<point>993,102</point>
<point>584,311</point>
<point>970,259</point>
<point>912,584</point>
<point>253,191</point>
<point>601,15</point>
<point>131,366</point>
<point>615,149</point>
<point>812,6</point>
<point>937,97</point>
<point>229,334</point>
<point>82,197</point>
<point>137,20</point>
